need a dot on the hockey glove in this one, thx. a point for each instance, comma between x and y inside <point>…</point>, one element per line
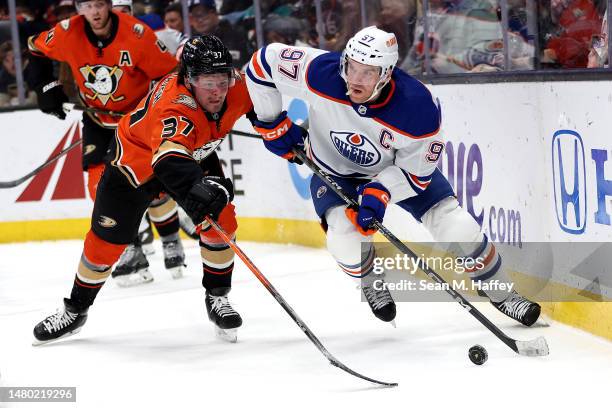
<point>281,136</point>
<point>374,199</point>
<point>208,197</point>
<point>51,98</point>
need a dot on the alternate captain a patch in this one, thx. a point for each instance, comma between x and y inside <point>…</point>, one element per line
<point>356,148</point>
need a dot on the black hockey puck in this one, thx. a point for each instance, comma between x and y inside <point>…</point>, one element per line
<point>478,354</point>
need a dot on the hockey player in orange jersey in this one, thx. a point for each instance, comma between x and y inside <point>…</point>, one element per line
<point>133,266</point>
<point>167,143</point>
<point>113,58</point>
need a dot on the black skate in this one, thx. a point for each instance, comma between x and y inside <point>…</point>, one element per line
<point>519,308</point>
<point>187,224</point>
<point>174,257</point>
<point>380,301</point>
<point>222,314</point>
<point>145,238</point>
<point>132,268</point>
<point>65,322</point>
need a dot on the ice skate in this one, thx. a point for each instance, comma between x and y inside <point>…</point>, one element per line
<point>66,322</point>
<point>222,314</point>
<point>519,308</point>
<point>174,257</point>
<point>132,268</point>
<point>380,301</point>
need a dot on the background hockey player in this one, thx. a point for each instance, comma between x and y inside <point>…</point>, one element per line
<point>376,130</point>
<point>167,143</point>
<point>113,58</point>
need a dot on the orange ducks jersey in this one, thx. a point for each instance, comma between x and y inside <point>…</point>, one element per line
<point>170,122</point>
<point>112,74</point>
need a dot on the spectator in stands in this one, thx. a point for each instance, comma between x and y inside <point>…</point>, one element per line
<point>399,17</point>
<point>598,55</point>
<point>341,20</point>
<point>173,17</point>
<point>8,81</point>
<point>568,43</point>
<point>204,19</point>
<point>232,6</point>
<point>146,12</point>
<point>286,30</point>
<point>467,37</point>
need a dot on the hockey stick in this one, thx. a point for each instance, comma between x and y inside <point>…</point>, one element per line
<point>71,106</point>
<point>531,348</point>
<point>245,134</point>
<point>54,158</point>
<point>333,360</point>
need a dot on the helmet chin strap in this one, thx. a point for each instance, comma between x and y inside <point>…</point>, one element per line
<point>379,86</point>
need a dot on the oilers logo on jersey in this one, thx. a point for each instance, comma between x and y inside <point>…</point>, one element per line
<point>355,147</point>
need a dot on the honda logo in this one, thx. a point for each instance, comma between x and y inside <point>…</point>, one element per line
<point>569,181</point>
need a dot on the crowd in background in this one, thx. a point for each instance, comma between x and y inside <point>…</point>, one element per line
<point>464,35</point>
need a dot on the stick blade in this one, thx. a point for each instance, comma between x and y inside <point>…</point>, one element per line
<point>9,184</point>
<point>532,348</point>
<point>341,366</point>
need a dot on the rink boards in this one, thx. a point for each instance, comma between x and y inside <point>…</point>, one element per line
<point>529,161</point>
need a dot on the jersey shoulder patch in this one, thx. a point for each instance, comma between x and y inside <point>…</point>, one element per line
<point>138,30</point>
<point>412,110</point>
<point>186,100</point>
<point>74,24</point>
<point>65,24</point>
<point>131,24</point>
<point>322,78</point>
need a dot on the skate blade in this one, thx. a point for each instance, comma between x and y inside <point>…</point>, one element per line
<point>541,322</point>
<point>392,322</point>
<point>134,279</point>
<point>229,335</point>
<point>37,342</point>
<point>176,273</point>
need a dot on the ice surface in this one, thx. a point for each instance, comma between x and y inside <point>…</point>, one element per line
<point>152,346</point>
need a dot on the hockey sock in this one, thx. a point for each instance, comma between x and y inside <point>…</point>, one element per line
<point>164,215</point>
<point>217,262</point>
<point>94,268</point>
<point>361,269</point>
<point>217,256</point>
<point>488,271</point>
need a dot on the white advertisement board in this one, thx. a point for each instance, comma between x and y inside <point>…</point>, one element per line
<point>530,161</point>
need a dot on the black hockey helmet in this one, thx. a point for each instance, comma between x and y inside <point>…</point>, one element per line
<point>205,54</point>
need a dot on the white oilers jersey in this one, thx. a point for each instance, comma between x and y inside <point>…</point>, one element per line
<point>395,140</point>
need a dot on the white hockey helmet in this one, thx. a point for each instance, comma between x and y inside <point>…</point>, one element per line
<point>126,3</point>
<point>372,46</point>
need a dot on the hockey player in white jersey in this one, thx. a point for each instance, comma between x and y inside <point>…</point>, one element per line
<point>376,130</point>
